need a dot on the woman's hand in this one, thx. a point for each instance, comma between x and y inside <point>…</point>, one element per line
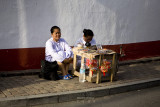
<point>70,59</point>
<point>67,60</point>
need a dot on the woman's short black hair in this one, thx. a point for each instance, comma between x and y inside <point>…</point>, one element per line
<point>88,32</point>
<point>54,27</point>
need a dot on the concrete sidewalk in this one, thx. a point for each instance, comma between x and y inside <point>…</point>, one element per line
<point>30,90</point>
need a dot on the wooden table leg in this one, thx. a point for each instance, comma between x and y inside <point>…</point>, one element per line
<point>113,67</point>
<point>82,60</point>
<point>98,71</point>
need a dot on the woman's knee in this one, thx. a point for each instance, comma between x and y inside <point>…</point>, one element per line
<point>60,63</point>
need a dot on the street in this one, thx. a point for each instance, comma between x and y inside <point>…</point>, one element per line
<point>141,98</point>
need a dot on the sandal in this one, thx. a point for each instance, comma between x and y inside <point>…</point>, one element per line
<point>69,76</point>
<point>66,77</point>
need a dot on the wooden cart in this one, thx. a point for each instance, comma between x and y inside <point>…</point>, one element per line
<point>99,56</point>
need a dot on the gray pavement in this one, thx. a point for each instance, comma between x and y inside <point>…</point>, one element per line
<point>148,97</point>
<point>30,90</point>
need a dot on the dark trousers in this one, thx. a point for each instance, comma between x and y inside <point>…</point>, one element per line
<point>49,70</point>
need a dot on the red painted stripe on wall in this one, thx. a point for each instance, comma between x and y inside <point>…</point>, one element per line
<point>29,58</point>
<point>137,50</point>
<point>21,59</point>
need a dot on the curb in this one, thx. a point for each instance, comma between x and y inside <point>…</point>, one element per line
<point>19,73</point>
<point>53,98</point>
<point>142,60</point>
<point>37,71</point>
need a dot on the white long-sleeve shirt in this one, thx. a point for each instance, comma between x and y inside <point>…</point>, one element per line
<point>57,51</point>
<point>81,41</point>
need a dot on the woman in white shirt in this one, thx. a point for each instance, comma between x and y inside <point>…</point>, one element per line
<point>87,40</point>
<point>57,49</point>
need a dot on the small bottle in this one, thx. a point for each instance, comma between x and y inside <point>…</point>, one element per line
<point>82,73</point>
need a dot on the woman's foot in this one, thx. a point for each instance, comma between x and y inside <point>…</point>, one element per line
<point>69,76</point>
<point>66,77</point>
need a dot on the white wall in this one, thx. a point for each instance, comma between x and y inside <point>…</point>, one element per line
<point>27,23</point>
